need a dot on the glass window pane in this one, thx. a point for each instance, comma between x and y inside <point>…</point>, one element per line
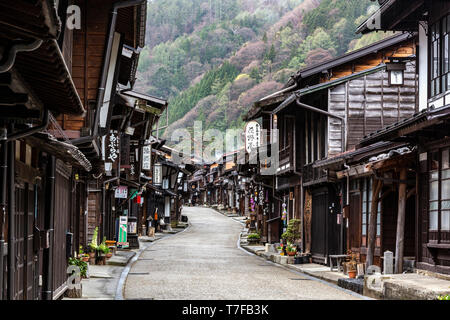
<point>445,189</point>
<point>364,230</point>
<point>434,205</point>
<point>378,230</point>
<point>446,53</point>
<point>445,220</point>
<point>433,220</point>
<point>434,175</point>
<point>438,86</point>
<point>434,190</point>
<point>445,174</point>
<point>364,218</point>
<point>445,205</point>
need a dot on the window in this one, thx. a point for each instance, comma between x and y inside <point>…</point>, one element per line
<point>366,207</point>
<point>439,196</point>
<point>440,63</point>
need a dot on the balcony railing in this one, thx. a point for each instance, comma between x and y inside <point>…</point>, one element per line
<point>311,175</point>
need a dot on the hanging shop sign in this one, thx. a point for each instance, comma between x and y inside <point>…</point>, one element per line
<point>122,232</point>
<point>133,162</point>
<point>146,157</point>
<point>112,147</point>
<point>252,136</point>
<point>121,192</point>
<point>157,174</point>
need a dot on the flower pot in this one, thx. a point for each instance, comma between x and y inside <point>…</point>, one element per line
<point>291,253</point>
<point>85,258</point>
<point>352,274</point>
<point>108,255</point>
<point>91,254</point>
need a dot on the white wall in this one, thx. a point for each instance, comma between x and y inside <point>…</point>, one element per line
<point>423,69</point>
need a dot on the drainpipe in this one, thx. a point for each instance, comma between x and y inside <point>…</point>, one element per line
<point>47,276</point>
<point>11,219</point>
<point>347,202</point>
<point>3,184</point>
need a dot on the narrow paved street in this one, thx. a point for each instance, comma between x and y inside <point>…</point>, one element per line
<point>204,262</point>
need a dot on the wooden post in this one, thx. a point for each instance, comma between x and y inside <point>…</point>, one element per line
<point>399,243</point>
<point>376,188</point>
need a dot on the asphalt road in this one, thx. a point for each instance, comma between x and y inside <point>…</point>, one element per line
<point>204,262</point>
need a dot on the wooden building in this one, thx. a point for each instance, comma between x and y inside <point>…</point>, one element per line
<point>40,193</point>
<point>325,110</point>
<point>427,132</point>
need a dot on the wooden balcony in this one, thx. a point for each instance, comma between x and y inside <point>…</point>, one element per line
<point>314,175</point>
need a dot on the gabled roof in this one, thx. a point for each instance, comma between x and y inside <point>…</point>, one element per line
<point>346,58</point>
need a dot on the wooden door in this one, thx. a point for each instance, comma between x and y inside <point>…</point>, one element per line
<point>27,271</point>
<point>318,226</point>
<point>354,226</point>
<point>61,249</point>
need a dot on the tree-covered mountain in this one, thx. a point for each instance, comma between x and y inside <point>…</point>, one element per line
<point>213,58</point>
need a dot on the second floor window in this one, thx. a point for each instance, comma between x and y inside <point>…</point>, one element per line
<point>439,196</point>
<point>440,64</point>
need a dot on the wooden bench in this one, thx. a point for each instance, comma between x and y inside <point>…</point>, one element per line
<point>338,258</point>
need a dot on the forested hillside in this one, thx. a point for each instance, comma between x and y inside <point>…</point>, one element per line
<point>213,58</point>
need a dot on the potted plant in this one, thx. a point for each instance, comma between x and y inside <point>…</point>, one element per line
<point>351,267</point>
<point>253,238</point>
<point>80,264</point>
<point>291,250</point>
<point>104,249</point>
<point>292,233</point>
<point>93,247</point>
<point>83,256</point>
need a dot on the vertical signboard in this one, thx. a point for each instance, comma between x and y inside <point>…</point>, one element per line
<point>122,236</point>
<point>112,145</point>
<point>157,174</point>
<point>252,136</point>
<point>146,157</point>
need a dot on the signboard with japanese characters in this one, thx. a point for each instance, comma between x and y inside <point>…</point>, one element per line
<point>252,136</point>
<point>121,192</point>
<point>146,157</point>
<point>112,148</point>
<point>157,174</point>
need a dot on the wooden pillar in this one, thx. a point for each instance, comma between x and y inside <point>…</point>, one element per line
<point>400,243</point>
<point>376,188</point>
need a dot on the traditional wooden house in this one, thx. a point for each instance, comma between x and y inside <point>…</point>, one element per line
<point>39,189</point>
<point>126,163</point>
<point>325,110</point>
<point>103,53</point>
<point>427,131</point>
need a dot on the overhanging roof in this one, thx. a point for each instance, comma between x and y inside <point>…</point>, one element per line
<point>346,58</point>
<point>421,120</point>
<point>154,101</point>
<point>65,151</point>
